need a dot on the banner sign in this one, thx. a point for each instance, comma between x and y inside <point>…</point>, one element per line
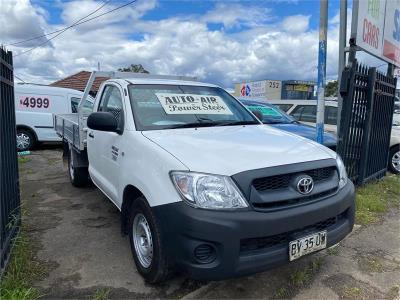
<point>378,29</point>
<point>175,104</point>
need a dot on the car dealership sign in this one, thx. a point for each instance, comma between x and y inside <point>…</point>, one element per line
<point>378,28</point>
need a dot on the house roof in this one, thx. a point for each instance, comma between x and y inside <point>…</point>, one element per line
<point>78,81</point>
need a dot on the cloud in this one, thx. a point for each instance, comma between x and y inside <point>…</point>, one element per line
<point>20,20</point>
<point>296,23</point>
<point>260,47</point>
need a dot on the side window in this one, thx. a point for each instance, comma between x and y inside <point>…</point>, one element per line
<point>74,104</point>
<point>111,101</point>
<point>331,115</point>
<point>305,113</point>
<point>284,107</point>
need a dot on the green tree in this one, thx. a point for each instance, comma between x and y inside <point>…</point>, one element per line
<point>135,68</point>
<point>331,89</point>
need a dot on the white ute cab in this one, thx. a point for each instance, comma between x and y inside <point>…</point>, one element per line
<point>203,187</point>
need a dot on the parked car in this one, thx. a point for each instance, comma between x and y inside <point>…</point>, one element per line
<point>272,115</point>
<point>34,109</point>
<point>305,111</point>
<point>202,185</point>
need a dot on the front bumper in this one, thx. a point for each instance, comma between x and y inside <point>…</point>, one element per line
<point>247,241</point>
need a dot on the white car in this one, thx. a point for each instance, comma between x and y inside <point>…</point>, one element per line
<point>34,109</point>
<point>203,186</point>
<point>305,111</point>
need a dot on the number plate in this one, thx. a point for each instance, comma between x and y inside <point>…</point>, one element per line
<point>306,245</point>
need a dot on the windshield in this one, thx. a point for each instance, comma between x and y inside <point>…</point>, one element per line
<point>181,106</point>
<point>270,114</point>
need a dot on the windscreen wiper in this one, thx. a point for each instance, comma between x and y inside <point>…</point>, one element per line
<point>194,125</point>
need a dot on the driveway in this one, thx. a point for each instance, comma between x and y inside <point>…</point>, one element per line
<point>80,244</point>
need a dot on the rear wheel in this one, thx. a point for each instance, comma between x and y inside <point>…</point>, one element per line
<point>146,243</point>
<point>79,176</point>
<point>394,160</point>
<point>25,140</point>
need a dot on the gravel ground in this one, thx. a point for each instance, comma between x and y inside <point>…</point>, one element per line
<point>80,243</point>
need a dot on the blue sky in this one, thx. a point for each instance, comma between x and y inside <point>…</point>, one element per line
<point>218,41</point>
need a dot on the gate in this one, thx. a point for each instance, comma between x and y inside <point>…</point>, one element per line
<point>366,122</point>
<point>10,215</point>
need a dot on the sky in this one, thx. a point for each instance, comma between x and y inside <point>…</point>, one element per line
<point>222,42</point>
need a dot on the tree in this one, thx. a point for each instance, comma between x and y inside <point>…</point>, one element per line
<point>331,89</point>
<point>134,68</point>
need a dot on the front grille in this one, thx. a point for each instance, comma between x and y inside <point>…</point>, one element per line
<point>282,181</point>
<point>279,204</point>
<point>262,243</point>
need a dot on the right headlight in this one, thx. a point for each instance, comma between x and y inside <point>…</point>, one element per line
<point>342,172</point>
<point>208,191</point>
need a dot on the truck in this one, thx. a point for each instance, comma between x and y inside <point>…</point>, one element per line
<point>202,185</point>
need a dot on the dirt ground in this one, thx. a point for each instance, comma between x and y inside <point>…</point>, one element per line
<point>79,242</point>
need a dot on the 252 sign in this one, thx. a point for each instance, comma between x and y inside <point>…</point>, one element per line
<point>34,102</point>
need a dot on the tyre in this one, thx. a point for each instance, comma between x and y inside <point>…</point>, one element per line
<point>146,243</point>
<point>79,177</point>
<point>394,160</point>
<point>25,139</point>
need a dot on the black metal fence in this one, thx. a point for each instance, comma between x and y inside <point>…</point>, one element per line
<point>366,122</point>
<point>10,214</point>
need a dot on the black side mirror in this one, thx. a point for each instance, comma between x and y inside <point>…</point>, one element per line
<point>103,121</point>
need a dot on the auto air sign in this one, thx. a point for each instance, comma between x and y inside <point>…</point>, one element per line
<point>378,28</point>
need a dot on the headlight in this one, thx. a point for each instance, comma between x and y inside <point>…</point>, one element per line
<point>208,191</point>
<point>342,172</point>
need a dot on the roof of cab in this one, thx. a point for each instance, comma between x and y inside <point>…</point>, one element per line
<point>36,88</point>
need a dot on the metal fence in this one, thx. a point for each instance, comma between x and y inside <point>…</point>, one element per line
<point>366,122</point>
<point>10,213</point>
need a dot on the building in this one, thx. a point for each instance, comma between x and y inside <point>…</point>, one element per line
<point>276,89</point>
<point>78,82</point>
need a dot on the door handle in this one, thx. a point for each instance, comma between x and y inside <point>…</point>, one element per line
<point>91,135</point>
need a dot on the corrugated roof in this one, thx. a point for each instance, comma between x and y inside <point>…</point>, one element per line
<point>78,82</point>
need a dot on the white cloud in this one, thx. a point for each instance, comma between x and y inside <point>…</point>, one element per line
<point>179,45</point>
<point>296,23</point>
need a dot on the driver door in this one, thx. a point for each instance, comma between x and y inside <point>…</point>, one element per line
<point>104,148</point>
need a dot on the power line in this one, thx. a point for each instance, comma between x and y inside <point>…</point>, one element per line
<point>65,29</point>
<point>19,78</point>
<point>79,22</point>
<point>59,30</point>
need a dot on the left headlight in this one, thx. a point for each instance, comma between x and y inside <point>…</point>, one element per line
<point>342,172</point>
<point>208,191</point>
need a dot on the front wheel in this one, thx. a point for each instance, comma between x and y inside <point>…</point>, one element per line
<point>79,176</point>
<point>146,243</point>
<point>394,160</point>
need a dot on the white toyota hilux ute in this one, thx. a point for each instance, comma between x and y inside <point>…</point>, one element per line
<point>203,187</point>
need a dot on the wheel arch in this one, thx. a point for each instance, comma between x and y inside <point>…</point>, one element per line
<point>130,193</point>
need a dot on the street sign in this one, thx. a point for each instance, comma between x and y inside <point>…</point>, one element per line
<point>377,30</point>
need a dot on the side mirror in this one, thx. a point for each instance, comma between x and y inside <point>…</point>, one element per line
<point>102,121</point>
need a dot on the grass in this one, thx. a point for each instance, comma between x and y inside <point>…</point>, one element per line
<point>23,159</point>
<point>101,294</point>
<point>299,279</point>
<point>352,292</point>
<point>22,270</point>
<point>374,199</point>
<point>393,293</point>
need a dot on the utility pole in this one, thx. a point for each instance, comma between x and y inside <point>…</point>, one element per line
<point>323,25</point>
<point>342,55</point>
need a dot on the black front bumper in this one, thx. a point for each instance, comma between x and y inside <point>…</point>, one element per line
<point>247,242</point>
